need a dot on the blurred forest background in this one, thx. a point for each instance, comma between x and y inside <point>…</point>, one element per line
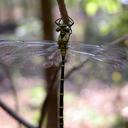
<point>96,95</point>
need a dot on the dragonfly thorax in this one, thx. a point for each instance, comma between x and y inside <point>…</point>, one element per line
<point>63,38</point>
<point>63,46</point>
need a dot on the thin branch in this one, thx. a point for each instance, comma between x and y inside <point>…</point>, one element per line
<point>15,115</point>
<point>63,11</point>
<point>14,92</point>
<point>76,68</point>
<point>123,38</point>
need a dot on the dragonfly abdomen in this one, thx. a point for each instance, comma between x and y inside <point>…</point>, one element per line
<point>61,94</point>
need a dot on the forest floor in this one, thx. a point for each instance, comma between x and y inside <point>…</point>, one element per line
<point>88,109</point>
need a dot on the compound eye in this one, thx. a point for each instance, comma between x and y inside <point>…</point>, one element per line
<point>67,29</point>
<point>58,29</point>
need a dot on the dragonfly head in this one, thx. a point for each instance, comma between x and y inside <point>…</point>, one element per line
<point>63,27</point>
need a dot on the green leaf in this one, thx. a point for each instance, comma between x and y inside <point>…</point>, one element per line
<point>91,8</point>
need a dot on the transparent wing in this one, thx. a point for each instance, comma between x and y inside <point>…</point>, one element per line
<point>28,57</point>
<point>22,50</point>
<point>110,54</point>
<point>114,55</point>
<point>84,49</point>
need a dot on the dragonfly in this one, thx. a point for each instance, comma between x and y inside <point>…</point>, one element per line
<point>10,50</point>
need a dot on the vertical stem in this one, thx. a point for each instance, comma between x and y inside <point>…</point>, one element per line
<point>63,11</point>
<point>47,19</point>
<point>52,103</point>
<point>61,100</point>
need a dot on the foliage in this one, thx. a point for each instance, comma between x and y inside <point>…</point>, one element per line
<point>25,29</point>
<point>121,23</point>
<point>109,6</point>
<point>107,19</point>
<point>37,93</point>
<point>120,122</point>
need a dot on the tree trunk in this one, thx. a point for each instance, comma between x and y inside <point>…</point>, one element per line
<point>52,112</point>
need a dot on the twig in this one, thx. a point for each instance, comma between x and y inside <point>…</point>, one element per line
<point>76,68</point>
<point>15,116</point>
<point>12,86</point>
<point>14,92</point>
<point>63,11</point>
<point>123,38</point>
<point>44,105</point>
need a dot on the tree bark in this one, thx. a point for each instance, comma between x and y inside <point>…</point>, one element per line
<point>47,19</point>
<point>52,112</point>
